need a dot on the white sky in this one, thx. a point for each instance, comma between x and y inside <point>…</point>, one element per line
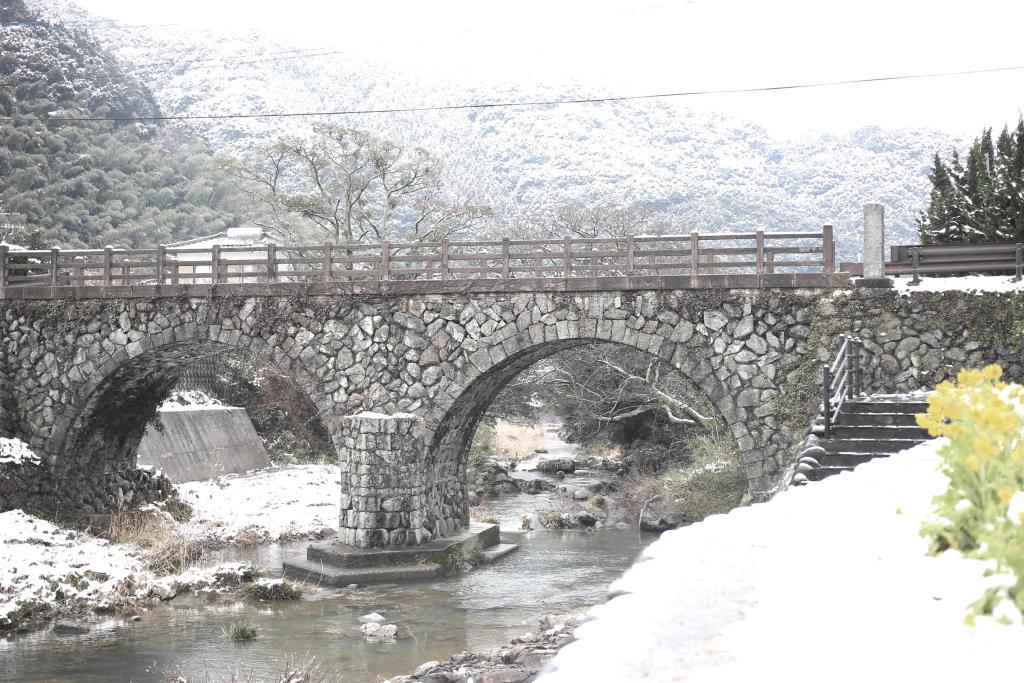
<point>645,46</point>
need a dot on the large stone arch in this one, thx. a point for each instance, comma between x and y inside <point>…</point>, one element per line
<point>724,350</point>
<point>452,438</point>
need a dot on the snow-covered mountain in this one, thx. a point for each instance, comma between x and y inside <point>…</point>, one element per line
<point>705,171</point>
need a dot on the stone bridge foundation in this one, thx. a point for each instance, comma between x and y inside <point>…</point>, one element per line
<point>389,494</point>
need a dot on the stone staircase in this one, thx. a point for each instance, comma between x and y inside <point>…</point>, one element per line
<point>867,427</point>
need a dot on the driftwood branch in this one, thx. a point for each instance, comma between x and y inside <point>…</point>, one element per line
<point>670,404</point>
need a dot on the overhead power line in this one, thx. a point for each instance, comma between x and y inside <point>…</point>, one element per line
<point>533,103</point>
<point>227,60</point>
<point>101,23</point>
<point>218,62</point>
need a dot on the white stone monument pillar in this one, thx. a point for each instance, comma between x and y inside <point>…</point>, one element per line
<point>874,247</point>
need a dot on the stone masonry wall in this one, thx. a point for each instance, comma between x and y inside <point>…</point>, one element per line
<point>914,342</point>
<point>82,378</point>
<point>389,497</point>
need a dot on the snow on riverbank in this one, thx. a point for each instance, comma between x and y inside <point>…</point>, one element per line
<point>17,452</point>
<point>51,571</point>
<point>278,503</point>
<point>47,567</point>
<point>828,581</point>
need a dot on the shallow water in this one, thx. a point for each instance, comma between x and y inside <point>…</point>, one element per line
<point>510,509</point>
<point>552,572</point>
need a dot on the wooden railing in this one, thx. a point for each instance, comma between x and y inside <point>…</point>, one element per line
<point>757,254</point>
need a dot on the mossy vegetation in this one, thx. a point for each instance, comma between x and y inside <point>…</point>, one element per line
<point>241,630</point>
<point>453,560</point>
<point>272,590</point>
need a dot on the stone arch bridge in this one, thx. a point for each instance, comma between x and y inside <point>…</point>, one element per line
<point>84,368</point>
<point>83,376</point>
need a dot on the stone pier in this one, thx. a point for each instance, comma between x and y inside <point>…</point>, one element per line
<point>389,495</point>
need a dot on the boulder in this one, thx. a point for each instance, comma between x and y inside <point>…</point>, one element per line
<point>67,627</point>
<point>556,465</point>
<point>658,516</point>
<point>534,486</point>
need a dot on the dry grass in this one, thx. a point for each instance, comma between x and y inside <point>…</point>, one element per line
<point>308,672</point>
<point>714,482</point>
<point>165,549</point>
<point>517,442</point>
<point>479,513</point>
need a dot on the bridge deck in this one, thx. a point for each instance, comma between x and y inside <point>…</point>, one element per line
<point>721,261</point>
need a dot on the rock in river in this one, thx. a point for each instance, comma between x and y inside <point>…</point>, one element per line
<point>557,465</point>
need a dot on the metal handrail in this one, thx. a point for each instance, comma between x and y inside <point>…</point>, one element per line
<point>841,380</point>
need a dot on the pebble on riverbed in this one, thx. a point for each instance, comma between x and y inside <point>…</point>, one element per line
<point>379,631</point>
<point>518,661</point>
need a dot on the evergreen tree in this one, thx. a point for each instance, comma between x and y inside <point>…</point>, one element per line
<point>982,199</point>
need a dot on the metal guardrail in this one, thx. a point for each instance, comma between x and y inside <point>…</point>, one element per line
<point>946,259</point>
<point>841,380</point>
<point>757,254</point>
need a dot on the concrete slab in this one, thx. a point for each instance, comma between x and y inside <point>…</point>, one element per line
<point>497,552</point>
<point>336,564</point>
<point>202,442</point>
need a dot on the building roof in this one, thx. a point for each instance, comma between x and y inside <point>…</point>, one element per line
<point>232,237</point>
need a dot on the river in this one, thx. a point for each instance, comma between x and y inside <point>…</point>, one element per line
<point>553,572</point>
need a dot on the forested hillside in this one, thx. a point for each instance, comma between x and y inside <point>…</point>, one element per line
<point>93,183</point>
<point>104,183</point>
<point>698,170</point>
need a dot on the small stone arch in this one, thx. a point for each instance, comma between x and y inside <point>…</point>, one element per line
<point>91,450</point>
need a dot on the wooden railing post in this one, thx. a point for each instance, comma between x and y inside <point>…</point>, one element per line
<point>915,257</point>
<point>54,266</point>
<point>567,256</point>
<point>769,262</point>
<point>385,261</point>
<point>3,270</point>
<point>630,247</point>
<point>328,257</point>
<point>504,258</point>
<point>759,249</point>
<point>215,265</point>
<point>108,265</point>
<point>694,253</point>
<point>161,260</point>
<point>271,263</point>
<point>444,259</point>
<point>828,249</point>
<point>1019,262</point>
